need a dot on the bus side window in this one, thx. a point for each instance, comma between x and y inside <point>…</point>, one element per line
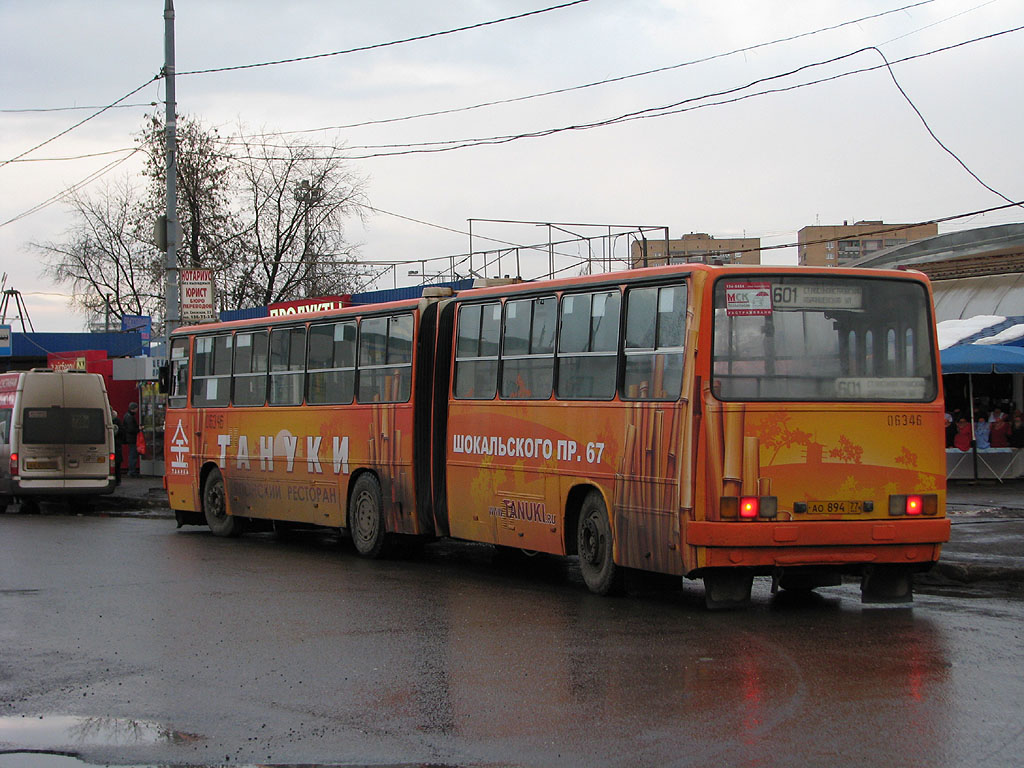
<point>385,359</point>
<point>528,349</point>
<point>178,395</point>
<point>5,426</point>
<point>250,368</point>
<point>588,345</point>
<point>211,377</point>
<point>331,368</point>
<point>287,365</point>
<point>655,319</point>
<point>476,351</point>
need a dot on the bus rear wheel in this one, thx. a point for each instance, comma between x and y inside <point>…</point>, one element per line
<point>215,507</point>
<point>594,547</point>
<point>366,517</point>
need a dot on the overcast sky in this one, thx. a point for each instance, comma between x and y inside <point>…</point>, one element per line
<point>848,149</point>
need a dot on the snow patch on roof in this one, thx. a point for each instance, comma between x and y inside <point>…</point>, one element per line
<point>1012,333</point>
<point>952,332</point>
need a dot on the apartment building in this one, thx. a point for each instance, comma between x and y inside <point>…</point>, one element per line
<point>835,245</point>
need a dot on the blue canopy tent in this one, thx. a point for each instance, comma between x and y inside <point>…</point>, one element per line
<point>981,358</point>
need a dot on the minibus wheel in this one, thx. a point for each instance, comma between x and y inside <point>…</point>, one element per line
<point>215,507</point>
<point>366,516</point>
<point>594,547</point>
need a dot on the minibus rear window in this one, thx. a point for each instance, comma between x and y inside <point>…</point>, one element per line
<point>53,426</point>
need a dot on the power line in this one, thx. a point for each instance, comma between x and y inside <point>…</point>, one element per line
<point>685,105</point>
<point>71,109</point>
<point>80,123</point>
<point>87,180</point>
<point>72,157</point>
<point>375,46</point>
<point>607,81</point>
<point>931,133</point>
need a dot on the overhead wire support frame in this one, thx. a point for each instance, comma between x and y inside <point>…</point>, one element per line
<point>609,237</point>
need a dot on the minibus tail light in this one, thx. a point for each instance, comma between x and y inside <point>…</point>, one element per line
<point>14,465</point>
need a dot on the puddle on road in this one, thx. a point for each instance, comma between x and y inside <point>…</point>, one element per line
<point>40,760</point>
<point>49,741</point>
<point>54,731</point>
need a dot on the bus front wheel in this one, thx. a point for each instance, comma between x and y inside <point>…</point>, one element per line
<point>594,547</point>
<point>215,507</point>
<point>366,517</point>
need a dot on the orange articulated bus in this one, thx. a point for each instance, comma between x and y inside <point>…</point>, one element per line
<point>710,422</point>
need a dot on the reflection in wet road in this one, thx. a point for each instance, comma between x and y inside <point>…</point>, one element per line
<point>295,651</point>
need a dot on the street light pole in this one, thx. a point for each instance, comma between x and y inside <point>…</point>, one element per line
<point>308,195</point>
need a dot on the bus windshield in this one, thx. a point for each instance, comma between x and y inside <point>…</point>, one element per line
<point>797,338</point>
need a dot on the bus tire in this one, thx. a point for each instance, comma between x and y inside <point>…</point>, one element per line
<point>215,507</point>
<point>594,547</point>
<point>366,523</point>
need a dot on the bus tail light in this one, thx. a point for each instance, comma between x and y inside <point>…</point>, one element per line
<point>14,465</point>
<point>748,507</point>
<point>913,505</point>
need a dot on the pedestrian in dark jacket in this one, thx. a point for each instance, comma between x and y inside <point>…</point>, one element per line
<point>131,435</point>
<point>118,445</point>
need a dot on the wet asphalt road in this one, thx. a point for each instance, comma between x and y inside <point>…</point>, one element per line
<point>260,650</point>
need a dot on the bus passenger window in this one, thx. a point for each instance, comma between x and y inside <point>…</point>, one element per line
<point>178,396</point>
<point>287,362</point>
<point>331,373</point>
<point>211,379</point>
<point>385,359</point>
<point>250,369</point>
<point>476,352</point>
<point>588,345</point>
<point>654,343</point>
<point>527,358</point>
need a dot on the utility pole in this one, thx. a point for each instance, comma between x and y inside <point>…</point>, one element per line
<point>172,317</point>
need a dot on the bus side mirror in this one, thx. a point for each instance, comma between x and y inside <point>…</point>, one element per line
<point>164,379</point>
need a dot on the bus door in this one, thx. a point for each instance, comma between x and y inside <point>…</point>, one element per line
<point>652,456</point>
<point>182,432</point>
<point>474,420</point>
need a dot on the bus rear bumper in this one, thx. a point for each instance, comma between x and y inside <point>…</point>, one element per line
<point>827,543</point>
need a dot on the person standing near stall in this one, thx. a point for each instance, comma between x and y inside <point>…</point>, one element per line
<point>118,445</point>
<point>131,436</point>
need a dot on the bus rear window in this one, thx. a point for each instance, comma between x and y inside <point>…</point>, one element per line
<point>799,338</point>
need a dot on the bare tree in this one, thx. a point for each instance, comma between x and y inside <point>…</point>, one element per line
<point>105,257</point>
<point>267,219</point>
<point>297,201</point>
<point>206,181</point>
